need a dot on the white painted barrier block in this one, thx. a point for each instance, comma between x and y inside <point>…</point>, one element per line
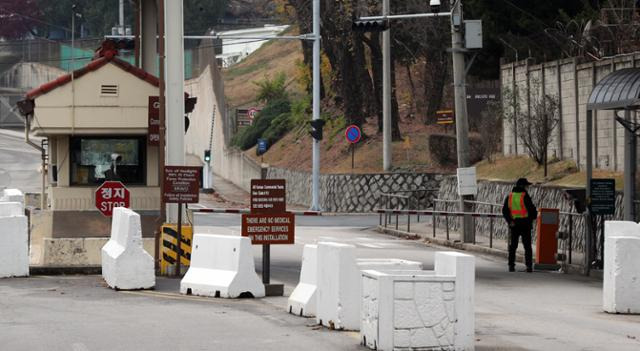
<point>303,299</point>
<point>14,241</point>
<point>621,281</point>
<point>11,209</point>
<point>125,263</point>
<point>340,285</point>
<point>463,268</point>
<point>621,228</point>
<point>408,310</point>
<point>12,195</point>
<point>221,266</point>
<point>337,288</point>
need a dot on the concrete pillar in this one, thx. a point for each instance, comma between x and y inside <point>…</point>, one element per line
<point>629,170</point>
<point>174,80</point>
<point>149,43</point>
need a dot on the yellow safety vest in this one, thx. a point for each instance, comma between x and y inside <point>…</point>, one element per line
<point>516,205</point>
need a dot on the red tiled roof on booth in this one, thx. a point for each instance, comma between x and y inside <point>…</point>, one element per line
<point>107,53</point>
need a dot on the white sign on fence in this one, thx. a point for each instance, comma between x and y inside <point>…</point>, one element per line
<point>467,182</point>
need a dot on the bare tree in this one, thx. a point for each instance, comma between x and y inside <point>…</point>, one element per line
<point>491,122</point>
<point>534,129</point>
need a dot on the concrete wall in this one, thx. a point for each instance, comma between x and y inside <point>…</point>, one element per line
<point>572,82</point>
<point>203,117</point>
<point>28,75</point>
<point>226,162</point>
<point>355,192</point>
<point>15,82</point>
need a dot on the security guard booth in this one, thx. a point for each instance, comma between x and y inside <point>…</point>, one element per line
<point>95,122</point>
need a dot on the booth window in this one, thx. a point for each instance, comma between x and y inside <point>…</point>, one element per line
<point>98,159</point>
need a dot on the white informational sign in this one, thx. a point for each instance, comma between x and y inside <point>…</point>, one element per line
<point>467,182</point>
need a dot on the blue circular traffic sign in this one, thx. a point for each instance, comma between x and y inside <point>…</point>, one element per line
<point>353,134</point>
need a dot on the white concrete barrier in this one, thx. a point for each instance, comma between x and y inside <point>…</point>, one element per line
<point>621,281</point>
<point>125,263</point>
<point>14,241</point>
<point>303,299</point>
<point>463,267</point>
<point>12,195</point>
<point>621,228</point>
<point>408,310</point>
<point>340,285</point>
<point>221,266</point>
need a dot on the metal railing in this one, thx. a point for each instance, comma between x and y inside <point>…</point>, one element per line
<point>407,199</point>
<point>386,215</point>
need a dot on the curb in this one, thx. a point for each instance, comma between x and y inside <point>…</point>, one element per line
<point>572,268</point>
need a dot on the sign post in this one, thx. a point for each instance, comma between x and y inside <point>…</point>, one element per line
<point>262,148</point>
<point>353,134</point>
<point>153,136</point>
<point>602,203</point>
<point>181,186</point>
<point>112,194</point>
<point>269,223</point>
<point>445,118</point>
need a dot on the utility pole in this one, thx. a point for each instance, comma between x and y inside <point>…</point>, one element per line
<point>315,176</point>
<point>386,92</point>
<point>462,123</point>
<point>174,85</point>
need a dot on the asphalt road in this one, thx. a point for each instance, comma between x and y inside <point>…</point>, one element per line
<point>514,311</point>
<point>19,163</point>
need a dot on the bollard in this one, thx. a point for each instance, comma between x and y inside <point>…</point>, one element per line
<point>491,232</point>
<point>446,217</point>
<point>433,222</point>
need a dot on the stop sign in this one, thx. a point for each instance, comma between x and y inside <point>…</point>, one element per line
<point>112,194</point>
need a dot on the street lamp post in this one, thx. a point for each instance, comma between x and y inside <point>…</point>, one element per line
<point>315,174</point>
<point>387,153</point>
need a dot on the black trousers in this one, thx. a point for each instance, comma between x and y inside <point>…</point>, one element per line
<point>521,230</point>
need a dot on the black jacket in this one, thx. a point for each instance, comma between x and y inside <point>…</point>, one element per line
<point>528,203</point>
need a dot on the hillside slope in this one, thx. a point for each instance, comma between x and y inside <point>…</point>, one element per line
<point>294,150</point>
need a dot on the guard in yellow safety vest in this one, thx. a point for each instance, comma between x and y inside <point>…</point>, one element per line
<point>520,213</point>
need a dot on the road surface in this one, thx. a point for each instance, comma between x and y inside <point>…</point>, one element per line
<point>514,311</point>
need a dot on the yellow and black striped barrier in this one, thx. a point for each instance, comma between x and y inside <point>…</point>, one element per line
<point>169,248</point>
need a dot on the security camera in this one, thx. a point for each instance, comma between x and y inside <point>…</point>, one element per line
<point>435,6</point>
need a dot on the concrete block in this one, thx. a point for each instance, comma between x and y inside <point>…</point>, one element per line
<point>303,299</point>
<point>222,266</point>
<point>463,268</point>
<point>340,285</point>
<point>11,209</point>
<point>390,321</point>
<point>621,278</point>
<point>14,251</point>
<point>621,228</point>
<point>12,195</point>
<point>125,263</point>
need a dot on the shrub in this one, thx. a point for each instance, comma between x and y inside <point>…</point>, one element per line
<point>248,137</point>
<point>443,148</point>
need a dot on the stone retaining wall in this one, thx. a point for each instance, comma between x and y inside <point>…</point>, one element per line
<point>357,192</point>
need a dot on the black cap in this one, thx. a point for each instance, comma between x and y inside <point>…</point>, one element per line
<point>522,182</point>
